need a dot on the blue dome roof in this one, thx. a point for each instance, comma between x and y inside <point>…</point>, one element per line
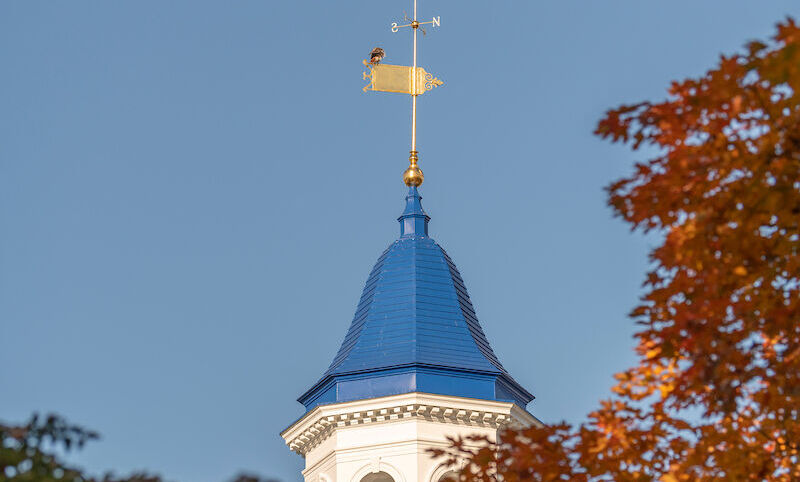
<point>415,330</point>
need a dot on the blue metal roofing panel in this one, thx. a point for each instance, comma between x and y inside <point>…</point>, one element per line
<point>415,314</point>
<point>415,329</point>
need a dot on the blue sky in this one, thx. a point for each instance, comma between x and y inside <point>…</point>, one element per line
<point>193,193</point>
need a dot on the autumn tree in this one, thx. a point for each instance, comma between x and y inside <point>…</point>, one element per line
<point>29,452</point>
<point>716,391</point>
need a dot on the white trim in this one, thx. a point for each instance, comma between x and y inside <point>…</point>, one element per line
<point>375,466</point>
<point>317,425</point>
<point>389,400</point>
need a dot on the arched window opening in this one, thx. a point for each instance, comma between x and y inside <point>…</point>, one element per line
<point>377,477</point>
<point>451,476</point>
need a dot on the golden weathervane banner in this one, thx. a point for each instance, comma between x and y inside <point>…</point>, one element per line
<point>398,78</point>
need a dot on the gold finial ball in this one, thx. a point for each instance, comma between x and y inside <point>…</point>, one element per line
<point>413,176</point>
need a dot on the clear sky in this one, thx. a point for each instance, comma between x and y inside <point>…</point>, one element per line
<point>192,194</point>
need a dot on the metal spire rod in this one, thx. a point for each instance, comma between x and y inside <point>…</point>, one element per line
<point>413,175</point>
<point>415,26</point>
<point>395,78</point>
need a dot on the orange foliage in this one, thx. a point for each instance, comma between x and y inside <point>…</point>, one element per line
<point>716,392</point>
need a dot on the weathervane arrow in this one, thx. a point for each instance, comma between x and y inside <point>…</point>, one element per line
<point>404,80</point>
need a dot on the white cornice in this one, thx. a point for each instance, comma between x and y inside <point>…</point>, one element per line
<point>318,424</point>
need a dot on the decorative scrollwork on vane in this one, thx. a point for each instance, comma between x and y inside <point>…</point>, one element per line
<point>431,81</point>
<point>368,75</point>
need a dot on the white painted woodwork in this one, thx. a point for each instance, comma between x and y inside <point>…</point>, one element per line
<point>390,436</point>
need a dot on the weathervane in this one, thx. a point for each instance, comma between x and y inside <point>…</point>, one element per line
<point>405,80</point>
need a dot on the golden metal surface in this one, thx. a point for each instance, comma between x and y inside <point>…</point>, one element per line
<point>413,175</point>
<point>398,78</point>
<point>426,81</point>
